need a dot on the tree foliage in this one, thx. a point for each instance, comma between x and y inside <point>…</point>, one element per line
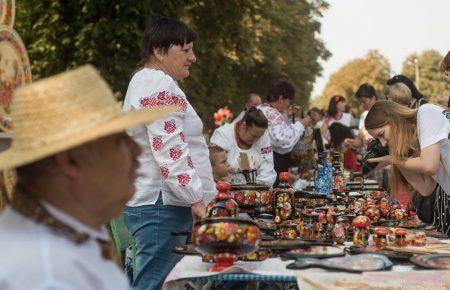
<point>373,68</point>
<point>242,44</point>
<point>432,82</point>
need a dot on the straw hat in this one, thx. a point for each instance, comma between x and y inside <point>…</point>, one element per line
<point>64,111</point>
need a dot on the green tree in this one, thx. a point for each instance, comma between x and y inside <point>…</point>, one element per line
<point>373,68</point>
<point>242,44</point>
<point>432,82</point>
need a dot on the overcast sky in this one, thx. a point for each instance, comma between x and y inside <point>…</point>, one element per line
<point>350,28</point>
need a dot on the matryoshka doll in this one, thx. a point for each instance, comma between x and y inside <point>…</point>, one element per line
<point>361,230</point>
<point>339,230</point>
<point>284,200</point>
<point>223,205</point>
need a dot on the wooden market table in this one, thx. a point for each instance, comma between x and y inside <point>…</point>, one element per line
<point>193,272</point>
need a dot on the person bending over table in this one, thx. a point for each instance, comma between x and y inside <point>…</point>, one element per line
<point>419,148</point>
<point>248,136</point>
<point>283,133</point>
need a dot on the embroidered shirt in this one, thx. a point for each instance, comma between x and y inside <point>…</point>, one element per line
<point>35,257</point>
<point>175,157</point>
<point>260,155</point>
<point>282,133</point>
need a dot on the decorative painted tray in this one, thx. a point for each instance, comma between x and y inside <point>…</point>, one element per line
<point>14,72</point>
<point>7,12</point>
<point>316,252</point>
<point>433,261</point>
<point>354,264</point>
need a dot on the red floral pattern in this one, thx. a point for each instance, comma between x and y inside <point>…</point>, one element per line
<point>157,143</point>
<point>266,150</point>
<point>182,137</point>
<point>184,179</point>
<point>163,99</point>
<point>164,172</point>
<point>190,163</point>
<point>170,126</point>
<point>175,153</point>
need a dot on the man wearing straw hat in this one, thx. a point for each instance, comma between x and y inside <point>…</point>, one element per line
<point>75,168</point>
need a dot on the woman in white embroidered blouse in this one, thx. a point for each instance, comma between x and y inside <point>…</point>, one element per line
<point>175,176</point>
<point>283,133</point>
<point>248,136</point>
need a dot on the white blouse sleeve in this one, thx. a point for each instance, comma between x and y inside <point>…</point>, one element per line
<point>433,126</point>
<point>170,149</point>
<point>266,171</point>
<point>284,136</point>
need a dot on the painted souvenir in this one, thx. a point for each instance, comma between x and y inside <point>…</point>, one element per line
<point>316,226</point>
<point>284,200</point>
<point>338,182</point>
<point>420,239</point>
<point>225,239</point>
<point>400,238</point>
<point>223,205</point>
<point>361,231</point>
<point>7,12</point>
<point>259,255</point>
<point>324,176</point>
<point>15,71</point>
<point>339,231</point>
<point>433,261</point>
<point>373,213</point>
<point>355,263</point>
<point>287,231</point>
<point>398,213</point>
<point>255,197</point>
<point>380,237</point>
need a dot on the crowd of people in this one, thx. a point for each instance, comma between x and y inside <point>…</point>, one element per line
<point>84,174</point>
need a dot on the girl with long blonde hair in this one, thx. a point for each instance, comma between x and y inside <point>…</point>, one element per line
<point>419,151</point>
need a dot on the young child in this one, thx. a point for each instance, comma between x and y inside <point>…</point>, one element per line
<point>219,163</point>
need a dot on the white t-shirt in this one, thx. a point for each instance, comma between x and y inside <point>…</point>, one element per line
<point>34,257</point>
<point>433,127</point>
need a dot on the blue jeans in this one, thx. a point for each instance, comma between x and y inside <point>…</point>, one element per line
<point>151,226</point>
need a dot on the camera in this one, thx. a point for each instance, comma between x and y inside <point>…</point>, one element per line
<point>374,150</point>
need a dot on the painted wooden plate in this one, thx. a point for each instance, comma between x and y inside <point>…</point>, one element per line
<point>7,12</point>
<point>432,261</point>
<point>14,72</point>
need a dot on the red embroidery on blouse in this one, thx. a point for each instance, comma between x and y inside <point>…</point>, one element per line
<point>175,153</point>
<point>184,179</point>
<point>182,137</point>
<point>170,126</point>
<point>163,99</point>
<point>190,163</point>
<point>266,150</point>
<point>164,172</point>
<point>157,143</point>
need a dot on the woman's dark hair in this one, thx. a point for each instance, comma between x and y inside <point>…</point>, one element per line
<point>445,65</point>
<point>409,83</point>
<point>366,91</point>
<point>254,117</point>
<point>315,109</point>
<point>332,105</point>
<point>338,133</point>
<point>162,33</point>
<point>280,87</point>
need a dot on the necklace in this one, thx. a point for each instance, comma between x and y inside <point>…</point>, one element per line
<point>30,207</point>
